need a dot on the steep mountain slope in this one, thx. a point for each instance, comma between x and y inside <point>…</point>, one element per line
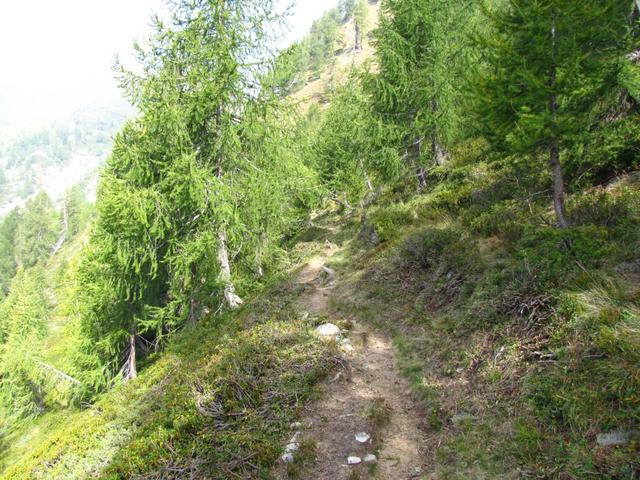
<point>56,158</point>
<point>420,314</point>
<point>318,90</point>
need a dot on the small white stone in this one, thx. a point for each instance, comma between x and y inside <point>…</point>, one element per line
<point>370,458</point>
<point>296,426</point>
<point>328,330</point>
<point>292,447</point>
<point>345,346</point>
<point>354,460</point>
<point>613,438</point>
<point>362,437</point>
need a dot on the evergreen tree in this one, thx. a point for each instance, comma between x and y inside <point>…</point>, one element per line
<point>549,63</point>
<point>37,231</point>
<point>8,228</point>
<point>23,317</point>
<point>289,73</point>
<point>322,41</point>
<point>360,11</point>
<point>76,209</point>
<point>351,156</point>
<point>198,190</point>
<point>346,9</point>
<point>413,93</point>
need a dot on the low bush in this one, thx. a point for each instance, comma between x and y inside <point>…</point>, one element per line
<point>447,249</point>
<point>387,221</point>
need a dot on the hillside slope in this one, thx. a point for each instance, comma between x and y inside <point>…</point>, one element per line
<point>423,298</point>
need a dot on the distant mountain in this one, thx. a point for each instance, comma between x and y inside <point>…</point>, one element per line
<point>55,157</point>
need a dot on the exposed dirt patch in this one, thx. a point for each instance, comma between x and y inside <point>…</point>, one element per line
<point>368,395</point>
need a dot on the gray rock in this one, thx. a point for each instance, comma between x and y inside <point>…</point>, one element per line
<point>328,330</point>
<point>329,272</point>
<point>296,426</point>
<point>292,447</point>
<point>368,234</point>
<point>370,458</point>
<point>611,439</point>
<point>362,437</point>
<point>346,347</point>
<point>287,458</point>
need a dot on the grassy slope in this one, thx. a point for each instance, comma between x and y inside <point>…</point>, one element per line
<point>214,404</point>
<point>522,350</point>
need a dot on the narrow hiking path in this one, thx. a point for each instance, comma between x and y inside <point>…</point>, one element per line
<point>368,398</point>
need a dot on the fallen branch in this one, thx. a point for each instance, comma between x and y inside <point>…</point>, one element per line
<point>60,373</point>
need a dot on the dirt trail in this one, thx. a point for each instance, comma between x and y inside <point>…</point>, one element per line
<point>369,395</point>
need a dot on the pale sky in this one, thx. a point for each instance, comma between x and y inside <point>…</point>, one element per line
<point>56,55</point>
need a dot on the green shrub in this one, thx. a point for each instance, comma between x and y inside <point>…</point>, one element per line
<point>388,220</point>
<point>505,219</point>
<point>551,257</point>
<point>445,249</point>
<point>599,207</point>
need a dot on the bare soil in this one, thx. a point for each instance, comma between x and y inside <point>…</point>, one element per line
<point>370,377</point>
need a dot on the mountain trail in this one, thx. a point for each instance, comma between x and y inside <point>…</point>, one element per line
<point>366,410</point>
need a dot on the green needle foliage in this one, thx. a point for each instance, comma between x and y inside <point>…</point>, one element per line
<point>8,228</point>
<point>37,231</point>
<point>549,64</point>
<point>418,51</point>
<point>199,189</point>
<point>23,320</point>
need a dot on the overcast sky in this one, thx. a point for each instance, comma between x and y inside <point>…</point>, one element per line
<point>56,55</point>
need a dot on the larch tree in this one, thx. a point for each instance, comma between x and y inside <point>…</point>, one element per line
<point>360,12</point>
<point>37,231</point>
<point>412,90</point>
<point>8,227</point>
<point>548,63</point>
<point>23,323</point>
<point>198,190</point>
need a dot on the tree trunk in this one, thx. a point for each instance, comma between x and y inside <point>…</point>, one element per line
<point>438,151</point>
<point>195,312</point>
<point>558,184</point>
<point>59,373</point>
<point>421,174</point>
<point>130,370</point>
<point>233,300</point>
<point>358,45</point>
<point>554,148</point>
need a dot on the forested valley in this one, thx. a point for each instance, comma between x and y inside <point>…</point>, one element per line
<point>456,183</point>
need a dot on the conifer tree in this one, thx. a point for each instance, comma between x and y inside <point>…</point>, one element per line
<point>322,40</point>
<point>346,9</point>
<point>412,91</point>
<point>8,227</point>
<point>23,320</point>
<point>199,188</point>
<point>360,11</point>
<point>548,63</point>
<point>37,231</point>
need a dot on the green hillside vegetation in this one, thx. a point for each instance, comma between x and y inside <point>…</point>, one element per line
<point>478,178</point>
<point>24,156</point>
